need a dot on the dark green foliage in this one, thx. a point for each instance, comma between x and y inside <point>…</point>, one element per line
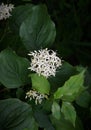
<point>15,114</point>
<point>61,25</point>
<point>13,69</point>
<point>72,20</point>
<point>62,75</point>
<point>38,31</point>
<point>43,120</point>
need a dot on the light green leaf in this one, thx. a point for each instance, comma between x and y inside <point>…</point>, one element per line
<point>62,75</point>
<point>71,89</point>
<point>40,83</point>
<point>56,110</point>
<point>69,112</point>
<point>13,69</point>
<point>38,30</point>
<point>16,115</point>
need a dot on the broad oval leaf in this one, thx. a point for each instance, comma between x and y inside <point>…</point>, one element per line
<point>13,69</point>
<point>38,30</point>
<point>16,115</point>
<point>56,110</point>
<point>69,112</point>
<point>40,83</point>
<point>71,89</point>
<point>19,14</point>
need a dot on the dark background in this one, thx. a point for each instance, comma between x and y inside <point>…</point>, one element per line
<point>73,26</point>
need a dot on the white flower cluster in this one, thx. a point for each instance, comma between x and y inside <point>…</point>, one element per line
<point>5,11</point>
<point>44,62</point>
<point>38,97</point>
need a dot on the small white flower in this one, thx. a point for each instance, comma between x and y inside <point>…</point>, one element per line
<point>44,62</point>
<point>38,97</point>
<point>5,11</point>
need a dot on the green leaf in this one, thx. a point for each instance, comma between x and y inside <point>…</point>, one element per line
<point>16,115</point>
<point>84,99</point>
<point>71,89</point>
<point>48,105</point>
<point>62,75</point>
<point>43,120</point>
<point>69,112</point>
<point>20,94</point>
<point>63,124</point>
<point>38,31</point>
<point>40,83</point>
<point>56,110</point>
<point>19,14</point>
<point>13,69</point>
